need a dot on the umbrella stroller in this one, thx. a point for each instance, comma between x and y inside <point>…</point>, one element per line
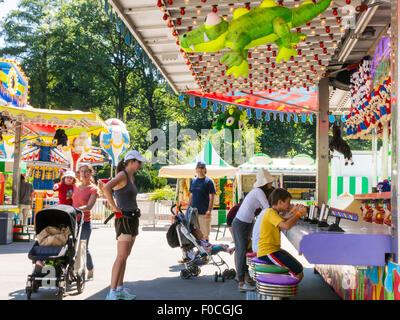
<point>59,266</point>
<point>183,224</point>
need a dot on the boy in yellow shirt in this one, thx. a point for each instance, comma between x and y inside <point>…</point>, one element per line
<point>269,245</point>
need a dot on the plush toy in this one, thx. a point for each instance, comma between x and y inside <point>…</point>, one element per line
<point>384,186</point>
<point>251,28</point>
<point>61,137</point>
<point>378,212</point>
<point>388,215</point>
<point>366,211</point>
<point>3,127</point>
<point>337,143</point>
<point>231,119</point>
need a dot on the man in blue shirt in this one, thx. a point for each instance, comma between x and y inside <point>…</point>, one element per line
<point>202,193</point>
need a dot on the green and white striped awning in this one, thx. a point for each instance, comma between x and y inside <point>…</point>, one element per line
<point>6,166</point>
<point>350,185</point>
<point>216,166</point>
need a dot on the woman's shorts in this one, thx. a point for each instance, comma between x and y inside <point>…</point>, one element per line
<point>229,221</point>
<point>128,226</point>
<point>284,259</point>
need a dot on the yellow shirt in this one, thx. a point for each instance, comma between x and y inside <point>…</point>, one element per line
<point>270,234</point>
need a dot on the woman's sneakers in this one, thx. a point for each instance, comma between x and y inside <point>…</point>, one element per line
<point>90,275</point>
<point>113,295</point>
<point>246,286</point>
<point>120,294</point>
<point>124,294</point>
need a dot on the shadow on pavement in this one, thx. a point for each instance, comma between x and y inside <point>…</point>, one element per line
<point>174,288</point>
<point>155,228</point>
<point>16,248</point>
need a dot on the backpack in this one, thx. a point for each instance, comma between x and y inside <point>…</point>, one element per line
<point>172,235</point>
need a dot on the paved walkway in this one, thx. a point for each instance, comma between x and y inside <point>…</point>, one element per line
<point>152,272</point>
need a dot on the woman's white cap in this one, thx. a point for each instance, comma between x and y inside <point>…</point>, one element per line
<point>263,177</point>
<point>70,174</point>
<point>134,155</point>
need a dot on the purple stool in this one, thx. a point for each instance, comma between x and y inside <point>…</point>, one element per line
<point>276,286</point>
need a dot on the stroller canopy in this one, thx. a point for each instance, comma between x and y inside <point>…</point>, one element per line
<point>56,216</point>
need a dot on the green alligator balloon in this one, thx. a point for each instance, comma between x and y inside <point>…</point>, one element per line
<point>231,119</point>
<point>251,28</point>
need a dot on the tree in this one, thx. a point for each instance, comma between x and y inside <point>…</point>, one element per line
<point>28,34</point>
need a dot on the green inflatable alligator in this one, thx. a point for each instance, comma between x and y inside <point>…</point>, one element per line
<point>251,28</point>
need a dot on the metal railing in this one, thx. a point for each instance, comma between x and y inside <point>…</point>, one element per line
<point>152,212</point>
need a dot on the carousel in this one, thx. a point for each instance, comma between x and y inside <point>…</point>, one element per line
<point>43,143</point>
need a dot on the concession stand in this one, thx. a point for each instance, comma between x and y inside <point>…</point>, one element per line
<point>345,69</point>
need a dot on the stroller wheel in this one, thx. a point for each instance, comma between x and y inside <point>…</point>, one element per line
<point>223,277</point>
<point>195,271</point>
<point>233,273</point>
<point>80,282</point>
<point>185,274</point>
<point>226,274</point>
<point>60,293</point>
<point>28,293</point>
<point>35,286</point>
<point>216,276</point>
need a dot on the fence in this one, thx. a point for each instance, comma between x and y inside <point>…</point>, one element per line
<point>152,212</point>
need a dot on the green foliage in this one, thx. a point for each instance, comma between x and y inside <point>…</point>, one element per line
<point>284,139</point>
<point>166,193</point>
<point>76,60</point>
<point>146,180</point>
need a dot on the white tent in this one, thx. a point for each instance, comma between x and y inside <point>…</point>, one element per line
<point>298,165</point>
<point>216,166</point>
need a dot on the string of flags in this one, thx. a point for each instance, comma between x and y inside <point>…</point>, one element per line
<point>268,114</point>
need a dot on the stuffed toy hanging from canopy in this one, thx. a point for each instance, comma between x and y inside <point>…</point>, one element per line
<point>231,119</point>
<point>251,28</point>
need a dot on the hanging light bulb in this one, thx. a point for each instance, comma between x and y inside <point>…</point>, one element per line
<point>194,19</point>
<point>198,10</point>
<point>231,7</point>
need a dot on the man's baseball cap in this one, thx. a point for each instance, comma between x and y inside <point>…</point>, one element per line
<point>134,155</point>
<point>201,163</point>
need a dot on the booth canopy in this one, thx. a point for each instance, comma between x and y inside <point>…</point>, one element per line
<point>44,122</point>
<point>216,166</point>
<point>298,165</point>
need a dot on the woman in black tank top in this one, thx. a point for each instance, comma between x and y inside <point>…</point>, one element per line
<point>127,219</point>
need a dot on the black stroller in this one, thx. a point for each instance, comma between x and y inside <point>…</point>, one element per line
<point>62,265</point>
<point>181,236</point>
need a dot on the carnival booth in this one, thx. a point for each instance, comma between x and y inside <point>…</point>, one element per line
<point>297,175</point>
<point>221,172</point>
<point>274,78</point>
<point>46,141</point>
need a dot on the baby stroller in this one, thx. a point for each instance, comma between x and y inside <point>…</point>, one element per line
<point>183,224</point>
<point>63,265</point>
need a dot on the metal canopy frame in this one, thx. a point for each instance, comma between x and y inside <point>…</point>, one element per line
<point>157,30</point>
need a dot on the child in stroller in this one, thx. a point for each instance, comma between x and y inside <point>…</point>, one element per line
<point>207,246</point>
<point>190,237</point>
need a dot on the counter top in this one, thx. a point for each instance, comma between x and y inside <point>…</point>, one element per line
<point>8,207</point>
<point>362,244</point>
<point>372,196</point>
